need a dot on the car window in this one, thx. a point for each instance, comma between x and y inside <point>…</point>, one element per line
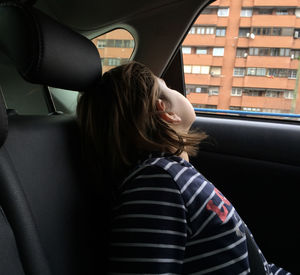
<point>20,95</point>
<point>115,48</point>
<point>243,59</point>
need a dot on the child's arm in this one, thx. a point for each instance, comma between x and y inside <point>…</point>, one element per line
<point>149,226</point>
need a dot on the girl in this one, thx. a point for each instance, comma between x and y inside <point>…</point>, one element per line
<point>166,218</point>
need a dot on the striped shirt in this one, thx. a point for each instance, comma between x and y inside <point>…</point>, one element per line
<point>170,220</point>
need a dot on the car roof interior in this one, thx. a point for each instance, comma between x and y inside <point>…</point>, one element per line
<point>51,219</point>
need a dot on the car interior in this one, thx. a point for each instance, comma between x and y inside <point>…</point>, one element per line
<point>50,219</point>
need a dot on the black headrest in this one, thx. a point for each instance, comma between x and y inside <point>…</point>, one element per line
<point>3,120</point>
<point>46,52</point>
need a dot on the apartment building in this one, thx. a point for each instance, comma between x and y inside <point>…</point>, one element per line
<point>244,55</point>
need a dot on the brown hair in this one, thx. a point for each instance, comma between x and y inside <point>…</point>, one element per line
<point>120,123</point>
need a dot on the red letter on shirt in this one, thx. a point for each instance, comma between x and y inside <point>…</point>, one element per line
<point>211,206</point>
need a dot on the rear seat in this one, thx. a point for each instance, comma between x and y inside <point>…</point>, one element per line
<point>48,218</point>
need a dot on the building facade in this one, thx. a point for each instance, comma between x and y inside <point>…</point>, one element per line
<point>244,55</point>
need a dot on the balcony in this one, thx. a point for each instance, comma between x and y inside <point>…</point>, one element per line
<point>274,3</point>
<point>274,20</point>
<point>261,102</point>
<point>245,22</point>
<point>268,82</point>
<point>207,19</point>
<point>283,62</point>
<point>200,40</point>
<point>271,41</point>
<point>197,59</point>
<point>202,79</point>
<point>199,98</point>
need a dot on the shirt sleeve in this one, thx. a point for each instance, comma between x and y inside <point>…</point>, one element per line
<point>149,226</point>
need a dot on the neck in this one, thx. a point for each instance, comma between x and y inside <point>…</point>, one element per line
<point>184,155</point>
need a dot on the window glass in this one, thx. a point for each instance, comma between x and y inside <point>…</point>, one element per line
<point>218,51</point>
<point>246,12</point>
<point>220,31</point>
<point>250,65</point>
<point>223,11</point>
<point>20,95</point>
<point>115,48</point>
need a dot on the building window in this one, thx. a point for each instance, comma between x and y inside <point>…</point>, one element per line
<point>213,90</point>
<point>195,69</point>
<point>270,93</point>
<point>115,43</point>
<point>295,54</point>
<point>269,51</point>
<point>297,12</point>
<point>239,71</point>
<point>223,12</point>
<point>251,109</point>
<point>256,71</point>
<point>210,30</point>
<point>204,69</point>
<point>218,51</point>
<point>187,69</point>
<point>287,31</point>
<point>202,90</point>
<point>241,52</point>
<point>282,12</point>
<point>220,31</point>
<point>292,74</point>
<point>186,50</point>
<point>209,10</point>
<point>253,92</point>
<point>201,51</point>
<point>215,71</point>
<point>113,61</point>
<point>297,33</point>
<point>196,89</point>
<point>235,108</point>
<point>289,94</point>
<point>266,11</point>
<point>192,30</point>
<point>246,12</point>
<point>236,91</point>
<point>243,32</point>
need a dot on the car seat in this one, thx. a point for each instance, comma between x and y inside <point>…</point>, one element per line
<point>49,222</point>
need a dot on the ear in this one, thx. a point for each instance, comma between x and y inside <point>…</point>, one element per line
<point>167,116</point>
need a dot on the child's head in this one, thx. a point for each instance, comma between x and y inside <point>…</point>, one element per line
<point>132,113</point>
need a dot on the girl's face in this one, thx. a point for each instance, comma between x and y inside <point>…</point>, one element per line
<point>177,110</point>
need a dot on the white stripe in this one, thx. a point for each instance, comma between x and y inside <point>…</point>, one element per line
<point>229,215</point>
<point>278,271</point>
<point>180,173</point>
<point>188,182</point>
<point>207,221</point>
<point>146,230</point>
<point>143,216</point>
<point>146,260</point>
<point>154,202</point>
<point>151,189</point>
<point>169,165</point>
<point>222,265</point>
<point>214,252</point>
<point>153,176</point>
<point>215,236</point>
<point>203,206</point>
<point>168,246</point>
<point>155,161</point>
<point>196,193</point>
